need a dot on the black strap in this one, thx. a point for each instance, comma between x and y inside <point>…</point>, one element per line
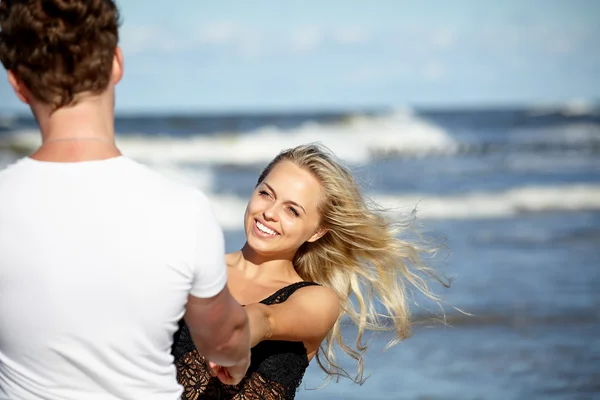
<point>282,294</point>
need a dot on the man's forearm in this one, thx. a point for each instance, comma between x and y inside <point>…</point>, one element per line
<point>234,349</point>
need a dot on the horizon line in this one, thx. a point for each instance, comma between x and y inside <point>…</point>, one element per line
<point>577,104</point>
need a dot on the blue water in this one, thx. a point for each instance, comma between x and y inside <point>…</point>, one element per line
<point>516,194</point>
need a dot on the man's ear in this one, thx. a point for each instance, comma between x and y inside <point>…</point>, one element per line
<point>19,88</point>
<point>318,234</point>
<point>117,66</point>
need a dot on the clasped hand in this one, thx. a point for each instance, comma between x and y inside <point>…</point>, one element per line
<point>230,375</point>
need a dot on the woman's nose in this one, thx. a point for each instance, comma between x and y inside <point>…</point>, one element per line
<point>270,212</point>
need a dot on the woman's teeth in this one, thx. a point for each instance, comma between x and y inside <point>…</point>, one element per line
<point>264,229</point>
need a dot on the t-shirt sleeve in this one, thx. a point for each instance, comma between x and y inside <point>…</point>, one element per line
<point>209,267</point>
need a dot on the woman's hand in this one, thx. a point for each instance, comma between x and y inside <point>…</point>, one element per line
<point>230,375</point>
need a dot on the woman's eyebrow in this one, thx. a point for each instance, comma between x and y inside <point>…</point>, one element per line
<point>289,201</point>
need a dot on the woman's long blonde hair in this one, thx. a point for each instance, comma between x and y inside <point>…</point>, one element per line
<point>361,254</point>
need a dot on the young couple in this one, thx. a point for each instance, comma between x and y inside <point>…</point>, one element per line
<point>113,280</point>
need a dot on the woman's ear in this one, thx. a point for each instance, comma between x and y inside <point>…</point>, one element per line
<point>318,234</point>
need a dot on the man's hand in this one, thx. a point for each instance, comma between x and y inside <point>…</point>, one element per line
<point>230,375</point>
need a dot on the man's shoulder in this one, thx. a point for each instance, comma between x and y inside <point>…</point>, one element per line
<point>172,189</point>
<point>12,167</point>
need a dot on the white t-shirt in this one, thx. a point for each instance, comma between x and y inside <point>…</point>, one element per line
<point>97,259</point>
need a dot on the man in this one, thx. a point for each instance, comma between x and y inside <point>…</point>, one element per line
<point>99,256</point>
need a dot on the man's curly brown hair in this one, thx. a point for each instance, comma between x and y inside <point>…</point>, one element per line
<point>59,48</point>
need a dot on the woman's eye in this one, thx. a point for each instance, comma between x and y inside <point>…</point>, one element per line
<point>294,212</point>
<point>263,193</point>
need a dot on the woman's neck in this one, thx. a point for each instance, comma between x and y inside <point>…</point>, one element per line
<point>257,266</point>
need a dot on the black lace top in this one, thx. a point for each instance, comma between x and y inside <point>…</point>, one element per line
<point>276,369</point>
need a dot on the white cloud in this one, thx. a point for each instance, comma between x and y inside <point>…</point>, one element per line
<point>251,44</point>
<point>531,40</point>
<point>310,38</point>
<point>434,72</point>
<point>350,36</point>
<point>137,39</point>
<point>227,36</point>
<point>246,41</point>
<point>307,38</point>
<point>217,33</point>
<point>375,74</point>
<point>561,45</point>
<point>444,38</point>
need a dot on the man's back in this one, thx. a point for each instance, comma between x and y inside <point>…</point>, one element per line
<point>97,260</point>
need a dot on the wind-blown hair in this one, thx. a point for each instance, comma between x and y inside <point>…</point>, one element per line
<point>59,48</point>
<point>361,255</point>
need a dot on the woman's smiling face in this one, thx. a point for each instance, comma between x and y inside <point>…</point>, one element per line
<point>283,211</point>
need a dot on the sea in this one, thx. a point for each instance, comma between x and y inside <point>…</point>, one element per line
<point>513,192</point>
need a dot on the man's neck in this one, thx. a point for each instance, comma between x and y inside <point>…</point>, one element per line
<point>76,151</point>
<point>83,132</point>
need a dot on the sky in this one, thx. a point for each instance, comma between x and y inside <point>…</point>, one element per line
<point>270,55</point>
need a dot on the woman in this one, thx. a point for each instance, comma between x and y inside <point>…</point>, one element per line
<point>311,243</point>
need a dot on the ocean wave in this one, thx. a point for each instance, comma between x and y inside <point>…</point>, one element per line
<point>356,139</point>
<point>572,108</point>
<point>6,122</point>
<point>561,138</point>
<point>573,134</point>
<point>477,205</point>
<point>521,319</point>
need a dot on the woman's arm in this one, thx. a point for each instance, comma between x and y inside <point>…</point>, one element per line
<point>306,316</point>
<point>258,320</point>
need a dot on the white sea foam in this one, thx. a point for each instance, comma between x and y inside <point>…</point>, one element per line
<point>580,107</point>
<point>575,134</point>
<point>201,178</point>
<point>550,163</point>
<point>354,140</point>
<point>521,200</point>
<point>525,199</point>
<point>572,108</point>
